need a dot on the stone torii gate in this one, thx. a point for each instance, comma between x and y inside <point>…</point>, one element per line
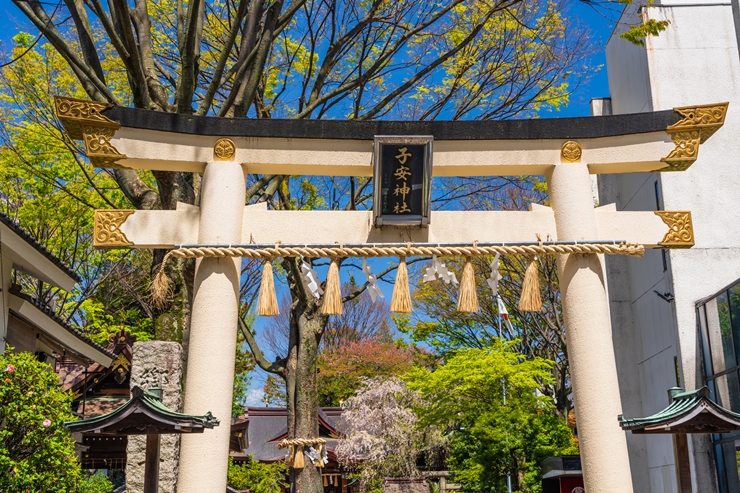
<point>566,151</point>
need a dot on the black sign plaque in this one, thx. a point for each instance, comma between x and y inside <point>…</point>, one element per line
<point>403,173</point>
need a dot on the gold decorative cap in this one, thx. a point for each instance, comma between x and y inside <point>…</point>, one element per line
<point>697,125</point>
<point>84,120</point>
<point>571,151</point>
<point>224,150</point>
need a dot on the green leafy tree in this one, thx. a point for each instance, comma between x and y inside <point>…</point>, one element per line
<point>540,334</point>
<point>499,423</point>
<point>344,370</point>
<point>257,477</point>
<point>36,449</point>
<point>52,193</point>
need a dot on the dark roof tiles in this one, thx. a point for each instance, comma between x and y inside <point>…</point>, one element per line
<point>31,240</point>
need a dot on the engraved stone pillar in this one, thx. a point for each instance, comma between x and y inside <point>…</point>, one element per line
<point>156,364</point>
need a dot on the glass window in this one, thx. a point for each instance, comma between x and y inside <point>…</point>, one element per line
<point>719,332</point>
<point>727,465</point>
<point>727,391</point>
<point>719,329</point>
<point>733,307</point>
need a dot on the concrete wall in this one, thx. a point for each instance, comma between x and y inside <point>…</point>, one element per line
<point>694,62</point>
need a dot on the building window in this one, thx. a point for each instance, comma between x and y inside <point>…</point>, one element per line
<point>719,327</point>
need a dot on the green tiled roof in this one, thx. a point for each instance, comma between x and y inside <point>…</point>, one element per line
<point>688,412</point>
<point>143,414</point>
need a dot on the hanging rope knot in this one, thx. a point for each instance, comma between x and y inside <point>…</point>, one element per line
<point>160,286</point>
<point>467,300</point>
<point>475,248</point>
<point>540,247</point>
<point>297,448</point>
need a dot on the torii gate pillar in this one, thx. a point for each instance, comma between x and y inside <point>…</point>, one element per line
<point>213,328</point>
<point>593,369</point>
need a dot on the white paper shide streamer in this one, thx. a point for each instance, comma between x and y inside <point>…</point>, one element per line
<point>495,276</point>
<point>312,279</point>
<point>372,282</point>
<point>439,270</point>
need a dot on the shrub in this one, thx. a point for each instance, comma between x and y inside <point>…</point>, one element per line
<point>36,450</point>
<point>257,477</point>
<point>96,483</point>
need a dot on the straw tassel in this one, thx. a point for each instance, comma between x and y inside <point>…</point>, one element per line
<point>530,300</point>
<point>268,305</point>
<point>332,292</point>
<point>401,301</point>
<point>297,457</point>
<point>160,287</point>
<point>468,299</point>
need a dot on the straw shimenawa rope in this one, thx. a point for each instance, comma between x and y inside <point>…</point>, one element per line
<point>296,446</point>
<point>160,285</point>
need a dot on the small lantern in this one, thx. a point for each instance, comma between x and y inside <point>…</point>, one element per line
<point>403,180</point>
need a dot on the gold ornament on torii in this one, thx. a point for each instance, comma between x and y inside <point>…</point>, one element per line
<point>224,150</point>
<point>571,151</point>
<point>107,228</point>
<point>698,124</point>
<point>84,120</point>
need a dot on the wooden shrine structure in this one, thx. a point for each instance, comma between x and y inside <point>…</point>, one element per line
<point>688,412</point>
<point>28,323</point>
<point>99,389</point>
<point>263,428</point>
<point>144,414</point>
<point>221,229</point>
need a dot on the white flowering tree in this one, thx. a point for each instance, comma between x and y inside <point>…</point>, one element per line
<point>381,438</point>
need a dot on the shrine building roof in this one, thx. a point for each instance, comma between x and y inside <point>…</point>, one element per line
<point>143,414</point>
<point>46,321</point>
<point>688,412</point>
<point>28,265</point>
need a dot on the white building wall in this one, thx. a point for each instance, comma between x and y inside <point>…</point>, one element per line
<point>694,62</point>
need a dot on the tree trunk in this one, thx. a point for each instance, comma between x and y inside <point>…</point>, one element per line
<point>306,328</point>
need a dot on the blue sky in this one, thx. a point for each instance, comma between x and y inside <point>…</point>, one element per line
<point>11,21</point>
